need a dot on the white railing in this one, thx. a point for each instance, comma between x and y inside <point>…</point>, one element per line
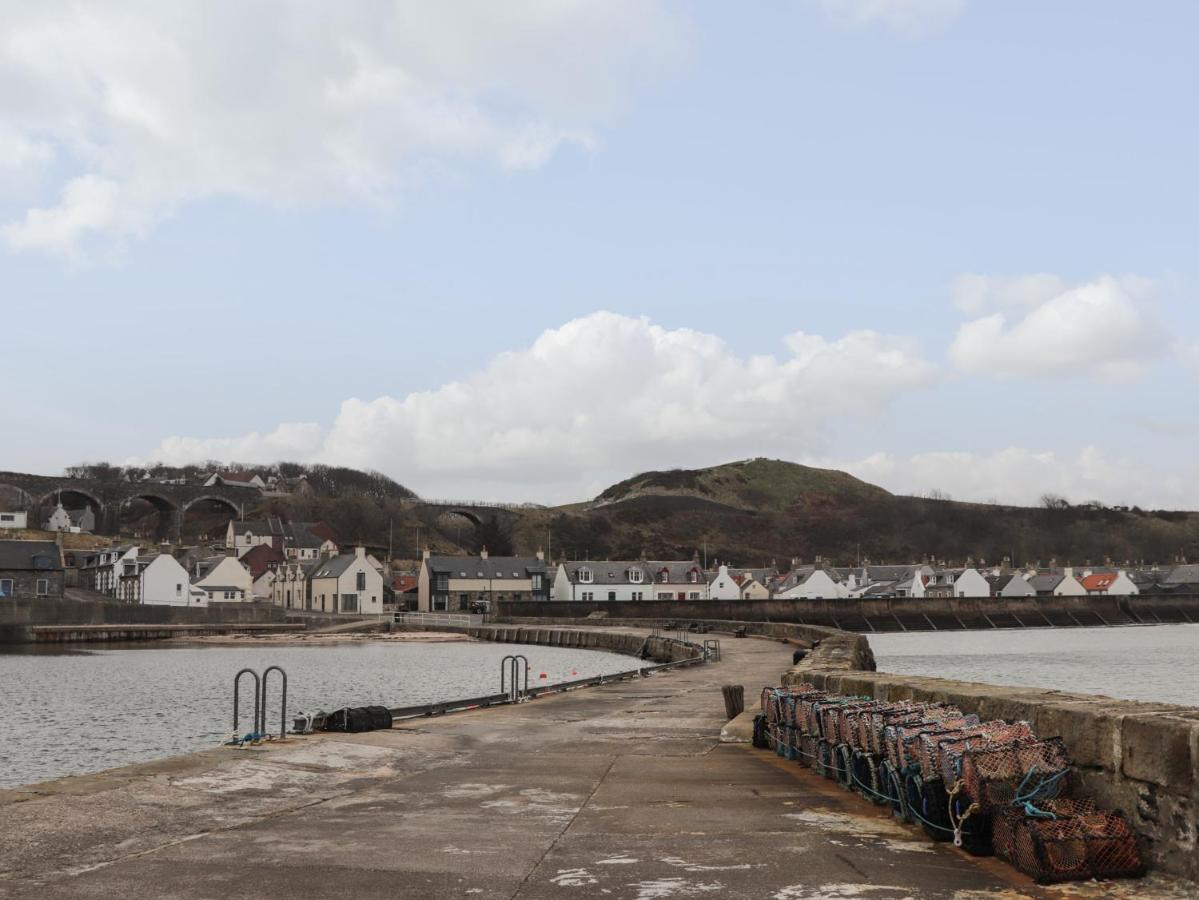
<point>416,618</point>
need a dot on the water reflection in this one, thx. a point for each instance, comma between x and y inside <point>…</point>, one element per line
<point>69,711</point>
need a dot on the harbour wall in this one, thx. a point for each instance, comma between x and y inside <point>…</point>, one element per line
<point>892,614</point>
<point>29,621</point>
<point>661,649</point>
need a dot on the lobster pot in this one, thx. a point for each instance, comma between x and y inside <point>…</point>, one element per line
<point>1079,844</point>
<point>933,806</point>
<point>1010,773</point>
<point>989,734</point>
<point>865,769</point>
<point>809,750</point>
<point>826,759</point>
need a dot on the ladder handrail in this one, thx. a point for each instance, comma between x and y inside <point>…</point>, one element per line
<point>257,699</point>
<point>282,701</point>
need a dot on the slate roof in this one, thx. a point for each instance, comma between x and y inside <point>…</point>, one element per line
<point>301,535</point>
<point>1183,574</point>
<point>493,568</point>
<point>999,582</point>
<point>1045,584</point>
<point>678,571</point>
<point>609,571</point>
<point>332,567</point>
<point>30,556</point>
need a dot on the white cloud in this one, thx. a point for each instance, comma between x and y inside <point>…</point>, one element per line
<point>1101,328</point>
<point>1019,476</point>
<point>601,396</point>
<point>910,17</point>
<point>146,105</point>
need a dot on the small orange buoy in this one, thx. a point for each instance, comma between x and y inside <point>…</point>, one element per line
<point>543,675</point>
<point>574,671</point>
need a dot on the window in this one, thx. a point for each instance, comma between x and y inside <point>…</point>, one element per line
<point>7,517</point>
<point>694,576</point>
<point>585,576</point>
<point>611,595</point>
<point>536,582</point>
<point>178,591</point>
<point>635,576</point>
<point>361,585</point>
<point>5,587</point>
<point>664,595</point>
<point>588,596</point>
<point>637,595</point>
<point>43,587</point>
<point>664,576</point>
<point>694,595</point>
<point>349,603</point>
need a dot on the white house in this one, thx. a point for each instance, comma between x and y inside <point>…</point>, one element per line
<point>752,588</point>
<point>809,583</point>
<point>724,586</point>
<point>114,572</point>
<point>1069,586</point>
<point>970,583</point>
<point>59,520</point>
<point>1115,583</point>
<point>14,519</point>
<point>619,580</point>
<point>224,579</point>
<point>164,582</point>
<point>677,579</point>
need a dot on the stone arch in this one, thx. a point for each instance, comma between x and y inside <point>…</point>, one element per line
<point>51,497</point>
<point>233,508</point>
<point>25,499</point>
<point>470,515</point>
<point>169,513</point>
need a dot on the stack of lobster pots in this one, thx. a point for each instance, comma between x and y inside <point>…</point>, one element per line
<point>990,787</point>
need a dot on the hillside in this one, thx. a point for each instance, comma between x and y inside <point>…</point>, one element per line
<point>753,484</point>
<point>756,511</point>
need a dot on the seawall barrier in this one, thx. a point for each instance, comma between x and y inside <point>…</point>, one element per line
<point>893,614</point>
<point>20,618</point>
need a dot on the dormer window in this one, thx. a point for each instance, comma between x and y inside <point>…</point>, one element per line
<point>694,576</point>
<point>635,576</point>
<point>585,575</point>
<point>664,576</point>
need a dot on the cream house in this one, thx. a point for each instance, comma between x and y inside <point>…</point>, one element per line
<point>224,579</point>
<point>607,580</point>
<point>346,583</point>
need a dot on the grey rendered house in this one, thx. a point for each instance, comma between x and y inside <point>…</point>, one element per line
<point>30,570</point>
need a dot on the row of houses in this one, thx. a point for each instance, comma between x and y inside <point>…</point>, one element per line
<point>464,583</point>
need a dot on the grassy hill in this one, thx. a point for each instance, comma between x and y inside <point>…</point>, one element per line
<point>754,484</point>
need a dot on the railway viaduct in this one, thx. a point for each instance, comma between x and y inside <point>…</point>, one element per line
<point>38,494</point>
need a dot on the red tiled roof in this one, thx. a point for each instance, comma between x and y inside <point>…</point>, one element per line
<point>1098,582</point>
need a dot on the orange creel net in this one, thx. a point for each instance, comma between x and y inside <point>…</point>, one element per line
<point>1077,844</point>
<point>1022,771</point>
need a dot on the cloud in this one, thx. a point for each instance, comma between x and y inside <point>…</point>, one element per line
<point>913,18</point>
<point>1047,329</point>
<point>605,394</point>
<point>1019,476</point>
<point>143,106</point>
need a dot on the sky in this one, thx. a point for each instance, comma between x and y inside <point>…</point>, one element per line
<point>520,251</point>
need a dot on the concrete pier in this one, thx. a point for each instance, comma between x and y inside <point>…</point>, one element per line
<point>624,790</point>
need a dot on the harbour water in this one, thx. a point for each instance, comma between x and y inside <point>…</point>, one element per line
<point>1157,663</point>
<point>73,711</point>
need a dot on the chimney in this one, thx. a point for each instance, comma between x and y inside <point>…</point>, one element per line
<point>1068,572</point>
<point>424,554</point>
<point>483,553</point>
<point>360,552</point>
<point>541,555</point>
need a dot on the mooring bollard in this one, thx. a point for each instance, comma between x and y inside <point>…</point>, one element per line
<point>734,699</point>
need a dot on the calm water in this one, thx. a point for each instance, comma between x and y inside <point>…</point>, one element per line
<point>1156,663</point>
<point>67,713</point>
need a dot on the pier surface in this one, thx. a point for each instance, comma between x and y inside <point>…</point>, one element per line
<point>623,791</point>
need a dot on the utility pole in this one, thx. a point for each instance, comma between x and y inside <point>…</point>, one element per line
<point>390,530</point>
